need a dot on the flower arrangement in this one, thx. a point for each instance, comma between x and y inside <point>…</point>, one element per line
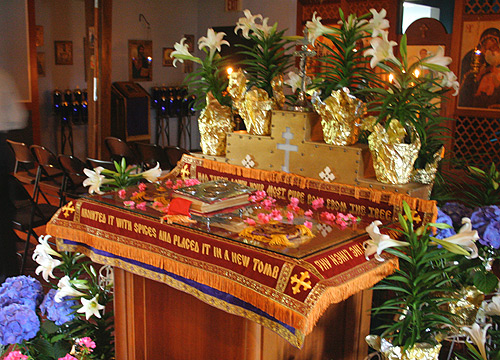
<point>71,321</point>
<point>420,286</point>
<point>101,180</point>
<point>210,77</point>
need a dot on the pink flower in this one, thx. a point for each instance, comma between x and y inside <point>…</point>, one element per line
<point>318,203</point>
<point>308,213</point>
<point>191,182</point>
<point>250,221</point>
<point>68,357</point>
<point>129,203</point>
<point>168,183</point>
<point>352,217</point>
<point>294,201</point>
<point>308,224</point>
<point>179,183</point>
<point>135,193</point>
<point>252,198</point>
<point>142,187</point>
<point>142,206</point>
<point>87,342</point>
<point>341,223</point>
<point>276,215</point>
<point>293,208</point>
<point>122,193</point>
<point>268,203</point>
<point>289,216</point>
<point>263,218</point>
<point>16,355</point>
<point>261,194</point>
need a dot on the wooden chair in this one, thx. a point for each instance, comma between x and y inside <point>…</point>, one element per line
<point>74,176</point>
<point>119,149</point>
<point>28,215</point>
<point>49,176</point>
<point>93,163</point>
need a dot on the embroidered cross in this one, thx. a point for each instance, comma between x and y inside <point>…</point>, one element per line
<point>287,147</point>
<point>327,175</point>
<point>324,229</point>
<point>415,216</point>
<point>66,209</point>
<point>304,275</point>
<point>248,162</point>
<point>185,171</point>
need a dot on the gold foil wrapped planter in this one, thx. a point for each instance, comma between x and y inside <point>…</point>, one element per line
<point>417,352</point>
<point>215,122</point>
<point>237,86</point>
<point>428,173</point>
<point>340,117</point>
<point>256,112</point>
<point>469,300</point>
<point>392,160</point>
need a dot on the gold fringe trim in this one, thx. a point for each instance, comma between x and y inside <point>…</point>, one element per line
<point>278,311</point>
<point>341,292</point>
<point>376,196</point>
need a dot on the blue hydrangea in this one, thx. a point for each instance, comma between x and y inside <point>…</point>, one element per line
<point>21,290</point>
<point>456,211</point>
<point>444,219</point>
<point>491,236</point>
<point>17,323</point>
<point>483,216</point>
<point>58,312</point>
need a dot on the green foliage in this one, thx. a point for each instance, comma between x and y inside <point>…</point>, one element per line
<point>419,288</point>
<point>267,58</point>
<point>345,65</point>
<point>482,189</point>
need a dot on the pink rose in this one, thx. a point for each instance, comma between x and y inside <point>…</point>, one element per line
<point>318,203</point>
<point>142,187</point>
<point>308,224</point>
<point>87,342</point>
<point>122,193</point>
<point>142,206</point>
<point>250,221</point>
<point>129,204</point>
<point>308,213</point>
<point>16,355</point>
<point>294,201</point>
<point>289,216</point>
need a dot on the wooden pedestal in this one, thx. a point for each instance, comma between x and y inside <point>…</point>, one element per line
<point>155,321</point>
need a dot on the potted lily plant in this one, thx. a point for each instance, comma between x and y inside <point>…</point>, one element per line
<point>209,83</point>
<point>415,319</point>
<point>407,107</point>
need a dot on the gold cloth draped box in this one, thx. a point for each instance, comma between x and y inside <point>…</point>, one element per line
<point>296,146</point>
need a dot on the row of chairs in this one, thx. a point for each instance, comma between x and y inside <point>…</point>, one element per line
<point>62,176</point>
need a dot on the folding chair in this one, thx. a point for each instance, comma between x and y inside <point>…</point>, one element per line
<point>93,163</point>
<point>150,154</point>
<point>174,154</point>
<point>28,214</point>
<point>49,175</point>
<point>74,176</point>
<point>120,149</point>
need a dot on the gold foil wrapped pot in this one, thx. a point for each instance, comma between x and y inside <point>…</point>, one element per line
<point>428,173</point>
<point>340,117</point>
<point>256,112</point>
<point>421,351</point>
<point>469,300</point>
<point>215,122</point>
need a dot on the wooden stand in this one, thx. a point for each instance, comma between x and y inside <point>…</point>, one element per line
<point>155,321</point>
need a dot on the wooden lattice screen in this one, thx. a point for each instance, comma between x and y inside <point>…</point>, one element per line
<point>480,7</point>
<point>477,140</point>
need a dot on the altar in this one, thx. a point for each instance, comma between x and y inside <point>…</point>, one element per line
<point>200,291</point>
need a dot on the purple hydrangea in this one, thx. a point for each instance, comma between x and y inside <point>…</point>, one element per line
<point>456,211</point>
<point>58,312</point>
<point>17,323</point>
<point>21,290</point>
<point>444,219</point>
<point>491,236</point>
<point>483,216</point>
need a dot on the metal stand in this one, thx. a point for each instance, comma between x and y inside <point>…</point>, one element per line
<point>162,129</point>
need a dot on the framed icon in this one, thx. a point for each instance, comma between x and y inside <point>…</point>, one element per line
<point>64,52</point>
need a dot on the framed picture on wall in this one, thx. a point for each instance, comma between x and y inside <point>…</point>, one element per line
<point>479,72</point>
<point>63,52</point>
<point>167,60</point>
<point>140,60</point>
<point>39,35</point>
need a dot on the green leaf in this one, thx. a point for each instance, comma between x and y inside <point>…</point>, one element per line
<point>408,211</point>
<point>485,281</point>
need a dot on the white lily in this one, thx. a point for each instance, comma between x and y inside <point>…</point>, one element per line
<point>94,180</point>
<point>465,238</point>
<point>378,23</point>
<point>493,307</point>
<point>65,288</point>
<point>438,58</point>
<point>478,336</point>
<point>213,41</point>
<point>247,23</point>
<point>295,81</point>
<point>182,53</point>
<point>378,241</point>
<point>315,29</point>
<point>152,175</point>
<point>449,80</point>
<point>47,264</point>
<point>263,28</point>
<point>381,49</point>
<point>90,307</point>
<point>351,20</point>
<point>43,248</point>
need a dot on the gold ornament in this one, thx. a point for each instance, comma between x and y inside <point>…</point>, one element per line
<point>465,309</point>
<point>421,351</point>
<point>256,112</point>
<point>340,117</point>
<point>215,122</point>
<point>428,173</point>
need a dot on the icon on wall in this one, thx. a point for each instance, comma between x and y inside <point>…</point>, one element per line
<point>64,52</point>
<point>140,60</point>
<point>40,63</point>
<point>167,60</point>
<point>39,36</point>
